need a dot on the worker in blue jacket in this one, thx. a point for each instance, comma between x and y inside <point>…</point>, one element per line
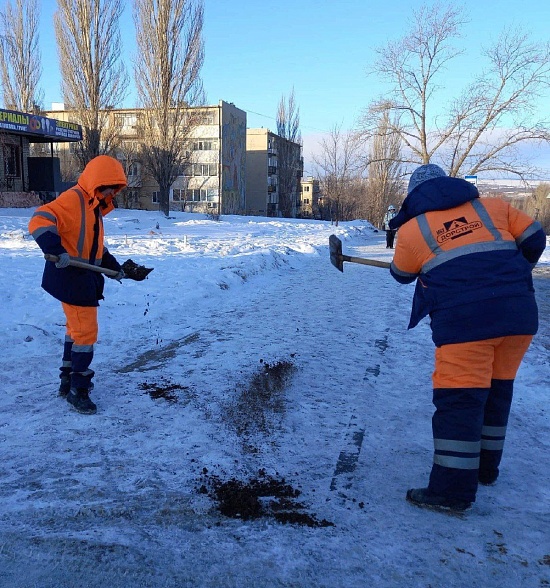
<point>472,260</point>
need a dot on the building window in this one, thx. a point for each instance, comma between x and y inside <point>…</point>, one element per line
<point>178,195</point>
<point>132,170</point>
<point>201,195</point>
<point>205,169</point>
<point>12,161</point>
<point>193,195</point>
<point>126,120</point>
<point>155,197</point>
<point>205,145</point>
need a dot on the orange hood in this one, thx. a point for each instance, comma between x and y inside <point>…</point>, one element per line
<point>102,170</point>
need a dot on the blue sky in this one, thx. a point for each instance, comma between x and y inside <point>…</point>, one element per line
<point>257,51</point>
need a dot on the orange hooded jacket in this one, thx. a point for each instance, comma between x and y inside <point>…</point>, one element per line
<point>73,223</point>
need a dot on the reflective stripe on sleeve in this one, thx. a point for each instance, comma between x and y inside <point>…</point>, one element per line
<point>530,230</point>
<point>47,215</point>
<point>399,272</point>
<point>40,231</point>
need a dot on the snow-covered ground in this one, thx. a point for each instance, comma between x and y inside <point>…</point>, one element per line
<point>122,498</point>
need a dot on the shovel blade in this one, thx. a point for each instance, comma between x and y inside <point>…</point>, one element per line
<point>336,257</point>
<point>135,272</point>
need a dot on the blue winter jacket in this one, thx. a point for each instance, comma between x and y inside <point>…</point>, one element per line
<point>472,259</point>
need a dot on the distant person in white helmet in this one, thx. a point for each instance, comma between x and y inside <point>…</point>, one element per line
<point>390,233</point>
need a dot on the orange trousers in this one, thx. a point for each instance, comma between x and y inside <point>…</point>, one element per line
<point>475,363</point>
<point>81,326</point>
<point>473,388</point>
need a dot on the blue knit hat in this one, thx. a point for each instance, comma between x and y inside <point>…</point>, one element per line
<point>423,174</point>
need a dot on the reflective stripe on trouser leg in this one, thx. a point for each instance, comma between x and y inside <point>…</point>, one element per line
<point>509,353</point>
<point>493,433</point>
<point>456,426</point>
<point>81,375</point>
<point>66,361</point>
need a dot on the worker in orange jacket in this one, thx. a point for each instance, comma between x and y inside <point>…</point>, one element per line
<point>472,260</point>
<point>71,227</point>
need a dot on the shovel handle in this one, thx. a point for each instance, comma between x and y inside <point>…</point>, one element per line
<point>83,265</point>
<point>364,261</point>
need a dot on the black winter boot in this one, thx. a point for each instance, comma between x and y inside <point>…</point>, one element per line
<point>488,477</point>
<point>79,398</point>
<point>65,384</point>
<point>424,498</point>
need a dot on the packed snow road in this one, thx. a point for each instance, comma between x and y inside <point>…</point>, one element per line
<point>121,498</point>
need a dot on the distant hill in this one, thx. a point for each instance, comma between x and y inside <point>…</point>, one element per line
<point>508,187</point>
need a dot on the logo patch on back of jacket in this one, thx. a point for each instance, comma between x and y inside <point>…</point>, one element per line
<point>456,228</point>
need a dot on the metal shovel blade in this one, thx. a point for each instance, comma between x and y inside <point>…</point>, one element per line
<point>335,247</point>
<point>136,272</point>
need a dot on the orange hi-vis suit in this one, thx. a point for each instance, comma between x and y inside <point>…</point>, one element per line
<point>73,224</point>
<point>472,260</point>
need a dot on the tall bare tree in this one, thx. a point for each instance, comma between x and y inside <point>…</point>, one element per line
<point>537,205</point>
<point>288,155</point>
<point>385,183</point>
<point>94,79</point>
<point>20,62</point>
<point>484,127</point>
<point>340,168</point>
<point>167,73</point>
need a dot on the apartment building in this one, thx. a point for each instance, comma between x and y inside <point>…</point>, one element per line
<point>309,198</point>
<point>213,177</point>
<point>266,175</point>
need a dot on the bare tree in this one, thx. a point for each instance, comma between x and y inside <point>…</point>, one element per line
<point>484,127</point>
<point>340,169</point>
<point>94,77</point>
<point>288,154</point>
<point>167,73</point>
<point>537,205</point>
<point>20,63</point>
<point>385,183</point>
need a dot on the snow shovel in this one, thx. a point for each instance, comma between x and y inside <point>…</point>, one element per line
<point>131,270</point>
<point>337,258</point>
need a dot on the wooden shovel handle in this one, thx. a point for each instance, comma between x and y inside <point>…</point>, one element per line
<point>83,265</point>
<point>364,261</point>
